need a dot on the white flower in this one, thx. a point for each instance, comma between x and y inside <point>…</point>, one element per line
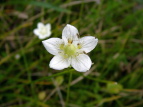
<point>17,56</point>
<point>70,50</point>
<point>42,31</point>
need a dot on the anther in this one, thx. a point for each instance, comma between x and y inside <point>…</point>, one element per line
<point>79,46</point>
<point>70,41</point>
<point>78,34</point>
<point>84,52</point>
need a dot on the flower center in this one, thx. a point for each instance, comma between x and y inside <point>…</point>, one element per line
<point>69,49</point>
<point>43,30</point>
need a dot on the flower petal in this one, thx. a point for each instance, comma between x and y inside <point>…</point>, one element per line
<point>58,62</point>
<point>70,33</point>
<point>81,63</point>
<point>88,43</point>
<point>52,45</point>
<point>43,36</point>
<point>48,34</point>
<point>36,32</point>
<point>48,26</point>
<point>40,24</point>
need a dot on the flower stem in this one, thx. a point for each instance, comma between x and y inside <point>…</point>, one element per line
<point>68,88</point>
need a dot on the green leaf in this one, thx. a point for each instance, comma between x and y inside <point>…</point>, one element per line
<point>37,3</point>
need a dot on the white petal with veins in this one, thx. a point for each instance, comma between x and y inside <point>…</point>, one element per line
<point>81,63</point>
<point>52,45</point>
<point>58,62</point>
<point>70,33</point>
<point>88,43</point>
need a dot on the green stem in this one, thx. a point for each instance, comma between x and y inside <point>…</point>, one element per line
<point>26,67</point>
<point>68,88</point>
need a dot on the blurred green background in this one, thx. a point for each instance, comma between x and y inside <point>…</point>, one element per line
<point>116,77</point>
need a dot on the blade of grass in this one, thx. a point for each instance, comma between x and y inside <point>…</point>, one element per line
<point>39,4</point>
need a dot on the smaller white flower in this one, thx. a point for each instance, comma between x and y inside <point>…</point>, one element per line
<point>42,31</point>
<point>70,50</point>
<point>17,56</point>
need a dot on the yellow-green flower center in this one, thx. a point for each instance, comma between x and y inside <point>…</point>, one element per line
<point>69,49</point>
<point>43,30</point>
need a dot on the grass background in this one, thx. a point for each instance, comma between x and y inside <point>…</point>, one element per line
<point>116,77</point>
